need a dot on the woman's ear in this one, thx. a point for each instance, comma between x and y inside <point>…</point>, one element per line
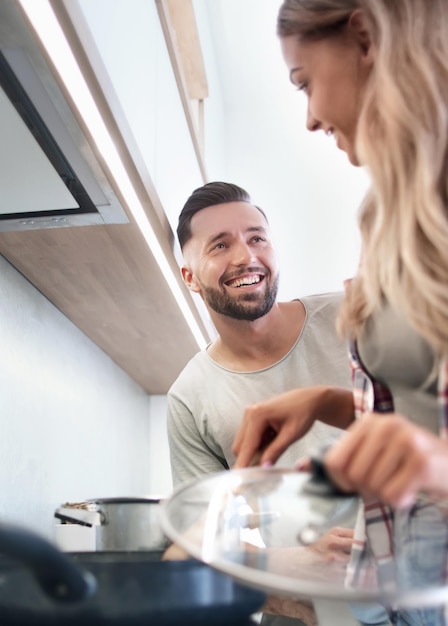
<point>359,27</point>
<point>189,279</point>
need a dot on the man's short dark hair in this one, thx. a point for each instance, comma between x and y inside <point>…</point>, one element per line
<point>206,196</point>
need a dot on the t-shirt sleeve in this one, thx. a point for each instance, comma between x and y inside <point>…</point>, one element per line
<point>190,456</point>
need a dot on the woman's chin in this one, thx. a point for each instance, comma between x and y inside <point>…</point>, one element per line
<point>351,155</point>
<point>349,151</point>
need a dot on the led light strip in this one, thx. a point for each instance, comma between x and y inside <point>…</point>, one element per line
<point>52,37</point>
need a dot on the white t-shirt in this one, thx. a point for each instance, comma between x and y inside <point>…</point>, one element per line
<point>207,401</point>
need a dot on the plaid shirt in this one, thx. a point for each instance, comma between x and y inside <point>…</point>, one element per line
<point>372,557</point>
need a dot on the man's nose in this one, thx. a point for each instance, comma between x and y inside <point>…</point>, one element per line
<point>244,254</point>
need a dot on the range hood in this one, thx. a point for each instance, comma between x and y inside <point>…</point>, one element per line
<point>50,174</point>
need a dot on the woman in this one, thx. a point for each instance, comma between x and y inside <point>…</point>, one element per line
<point>375,73</point>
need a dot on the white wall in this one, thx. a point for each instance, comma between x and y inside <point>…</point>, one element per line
<point>160,481</point>
<point>73,425</point>
<point>307,187</point>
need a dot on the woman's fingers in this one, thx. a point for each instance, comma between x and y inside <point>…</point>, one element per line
<point>270,427</point>
<point>390,458</point>
<point>280,441</point>
<point>336,539</point>
<point>249,436</point>
<point>258,436</point>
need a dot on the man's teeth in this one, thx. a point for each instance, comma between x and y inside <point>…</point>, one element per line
<point>247,280</point>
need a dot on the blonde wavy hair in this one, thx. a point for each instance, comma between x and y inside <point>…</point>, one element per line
<point>402,139</point>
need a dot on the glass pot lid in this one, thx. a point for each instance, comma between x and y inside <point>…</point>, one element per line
<point>272,529</point>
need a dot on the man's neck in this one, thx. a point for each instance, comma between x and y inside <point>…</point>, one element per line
<point>249,346</point>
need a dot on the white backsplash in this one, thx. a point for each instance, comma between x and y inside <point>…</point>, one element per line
<point>73,424</point>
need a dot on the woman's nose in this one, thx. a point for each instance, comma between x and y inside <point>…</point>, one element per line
<point>311,122</point>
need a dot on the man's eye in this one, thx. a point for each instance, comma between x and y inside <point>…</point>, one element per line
<point>219,246</point>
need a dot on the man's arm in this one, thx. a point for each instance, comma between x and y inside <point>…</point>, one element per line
<point>190,455</point>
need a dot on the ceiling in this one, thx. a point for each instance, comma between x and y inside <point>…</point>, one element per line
<point>305,184</point>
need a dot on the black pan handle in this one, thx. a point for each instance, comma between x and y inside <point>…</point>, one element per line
<point>59,577</point>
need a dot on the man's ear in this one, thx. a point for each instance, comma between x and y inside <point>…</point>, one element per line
<point>189,279</point>
<point>361,30</point>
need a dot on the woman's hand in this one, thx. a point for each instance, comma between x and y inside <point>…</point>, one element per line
<point>390,458</point>
<point>269,427</point>
<point>324,560</point>
<point>334,545</point>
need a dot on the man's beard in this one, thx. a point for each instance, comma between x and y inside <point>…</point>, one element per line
<point>242,309</point>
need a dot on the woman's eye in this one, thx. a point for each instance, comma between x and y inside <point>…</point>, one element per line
<point>302,87</point>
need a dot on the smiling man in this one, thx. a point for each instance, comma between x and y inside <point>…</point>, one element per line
<point>263,347</point>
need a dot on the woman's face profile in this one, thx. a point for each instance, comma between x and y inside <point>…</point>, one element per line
<point>332,73</point>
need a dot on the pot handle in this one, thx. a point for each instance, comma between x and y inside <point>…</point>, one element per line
<point>78,516</point>
<point>59,577</point>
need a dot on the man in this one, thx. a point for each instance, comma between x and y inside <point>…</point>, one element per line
<point>263,347</point>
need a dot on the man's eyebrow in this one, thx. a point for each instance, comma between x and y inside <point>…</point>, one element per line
<point>256,229</point>
<point>292,71</point>
<point>217,237</point>
<point>225,233</point>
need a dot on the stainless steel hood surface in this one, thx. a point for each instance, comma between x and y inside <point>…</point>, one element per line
<point>50,175</point>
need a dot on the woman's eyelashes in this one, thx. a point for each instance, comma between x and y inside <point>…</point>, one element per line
<point>302,87</point>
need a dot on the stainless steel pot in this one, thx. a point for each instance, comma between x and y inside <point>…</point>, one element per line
<point>127,524</point>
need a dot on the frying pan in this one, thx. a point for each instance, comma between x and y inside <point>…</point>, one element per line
<point>42,586</point>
